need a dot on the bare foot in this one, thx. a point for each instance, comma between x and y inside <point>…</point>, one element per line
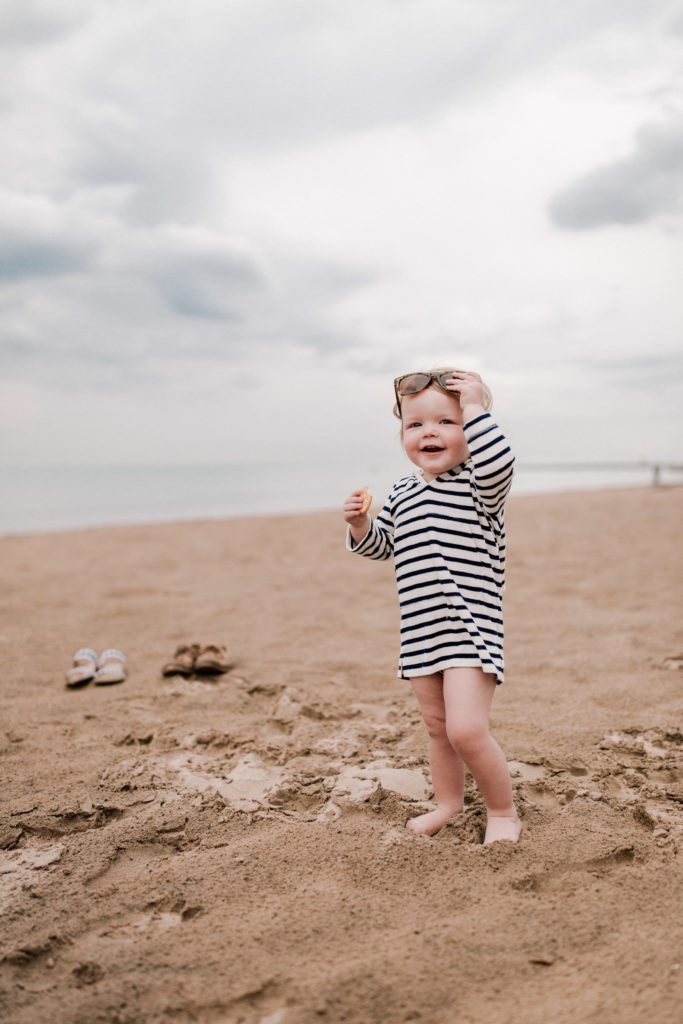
<point>502,827</point>
<point>429,824</point>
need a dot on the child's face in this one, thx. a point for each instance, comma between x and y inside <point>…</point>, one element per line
<point>433,437</point>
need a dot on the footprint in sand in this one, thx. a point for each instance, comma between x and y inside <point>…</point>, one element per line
<point>638,770</point>
<point>642,768</point>
<point>19,868</point>
<point>161,915</point>
<point>246,787</point>
<point>528,771</point>
<point>673,662</point>
<point>565,876</point>
<point>128,864</point>
<point>534,787</point>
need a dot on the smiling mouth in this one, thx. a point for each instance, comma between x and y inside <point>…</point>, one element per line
<point>432,449</point>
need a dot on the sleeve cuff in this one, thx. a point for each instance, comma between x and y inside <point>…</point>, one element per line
<point>351,544</point>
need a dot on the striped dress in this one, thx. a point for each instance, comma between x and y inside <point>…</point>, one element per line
<point>448,542</point>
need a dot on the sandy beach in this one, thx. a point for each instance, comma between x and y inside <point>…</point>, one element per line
<point>232,850</point>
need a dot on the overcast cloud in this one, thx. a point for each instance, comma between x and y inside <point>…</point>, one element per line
<point>225,226</point>
<point>640,187</point>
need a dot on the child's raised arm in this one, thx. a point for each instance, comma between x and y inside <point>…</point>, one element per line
<point>493,461</point>
<point>488,446</point>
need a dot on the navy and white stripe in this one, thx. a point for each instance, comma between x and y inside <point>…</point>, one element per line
<point>447,538</point>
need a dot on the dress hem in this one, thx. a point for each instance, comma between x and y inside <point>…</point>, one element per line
<point>452,663</point>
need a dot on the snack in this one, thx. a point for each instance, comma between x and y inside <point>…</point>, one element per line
<point>367,500</point>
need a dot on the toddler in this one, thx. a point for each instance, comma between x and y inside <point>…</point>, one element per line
<point>444,527</point>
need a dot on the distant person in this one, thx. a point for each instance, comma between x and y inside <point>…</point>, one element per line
<point>444,527</point>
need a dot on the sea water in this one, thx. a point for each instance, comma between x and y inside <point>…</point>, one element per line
<point>49,498</point>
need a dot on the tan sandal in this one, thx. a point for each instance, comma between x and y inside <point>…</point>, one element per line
<point>112,668</point>
<point>182,663</point>
<point>84,668</point>
<point>213,659</point>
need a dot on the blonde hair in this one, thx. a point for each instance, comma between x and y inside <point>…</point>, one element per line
<point>487,399</point>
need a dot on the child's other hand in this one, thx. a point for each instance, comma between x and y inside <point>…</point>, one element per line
<point>357,520</point>
<point>469,386</point>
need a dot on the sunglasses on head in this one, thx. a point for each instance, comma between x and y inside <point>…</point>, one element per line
<point>413,383</point>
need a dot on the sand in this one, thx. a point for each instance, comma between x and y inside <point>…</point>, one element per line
<point>234,849</point>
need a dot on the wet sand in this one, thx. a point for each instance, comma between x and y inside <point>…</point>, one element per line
<point>233,849</point>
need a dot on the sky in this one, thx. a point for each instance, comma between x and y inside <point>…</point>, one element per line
<point>226,226</point>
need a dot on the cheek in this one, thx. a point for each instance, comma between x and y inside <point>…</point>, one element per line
<point>459,441</point>
<point>408,443</point>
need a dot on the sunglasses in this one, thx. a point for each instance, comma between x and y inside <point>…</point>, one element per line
<point>413,383</point>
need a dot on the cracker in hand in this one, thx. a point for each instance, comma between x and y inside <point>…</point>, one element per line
<point>367,501</point>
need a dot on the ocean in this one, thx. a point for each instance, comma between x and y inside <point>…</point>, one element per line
<point>37,499</point>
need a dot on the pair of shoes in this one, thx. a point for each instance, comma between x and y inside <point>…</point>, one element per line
<point>188,658</point>
<point>109,668</point>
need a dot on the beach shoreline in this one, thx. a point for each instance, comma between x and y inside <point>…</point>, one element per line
<point>45,499</point>
<point>232,849</point>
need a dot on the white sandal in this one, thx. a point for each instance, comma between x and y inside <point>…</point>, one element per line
<point>112,668</point>
<point>84,668</point>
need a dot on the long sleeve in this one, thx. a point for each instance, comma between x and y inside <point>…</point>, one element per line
<point>492,459</point>
<point>378,542</point>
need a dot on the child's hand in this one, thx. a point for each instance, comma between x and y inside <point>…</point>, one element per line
<point>358,521</point>
<point>469,386</point>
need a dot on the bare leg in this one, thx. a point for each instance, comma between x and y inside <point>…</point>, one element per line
<point>468,693</point>
<point>447,767</point>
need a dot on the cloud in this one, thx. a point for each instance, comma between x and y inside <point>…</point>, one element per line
<point>149,306</point>
<point>40,238</point>
<point>197,272</point>
<point>195,193</point>
<point>638,188</point>
<point>652,373</point>
<point>27,23</point>
<point>245,78</point>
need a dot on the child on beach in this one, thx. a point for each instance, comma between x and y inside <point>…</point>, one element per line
<point>444,527</point>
